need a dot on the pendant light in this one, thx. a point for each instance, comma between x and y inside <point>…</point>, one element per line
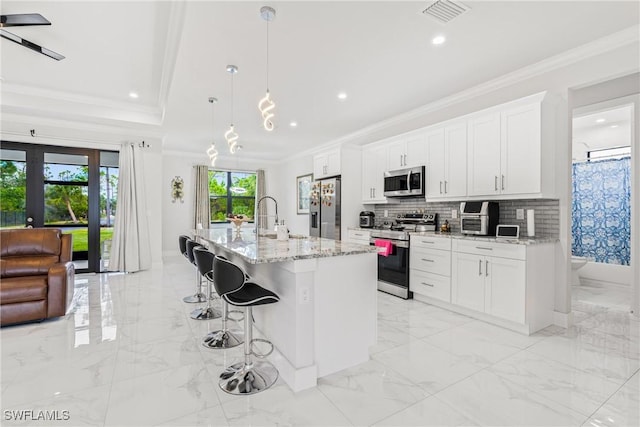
<point>230,135</point>
<point>266,104</point>
<point>212,152</point>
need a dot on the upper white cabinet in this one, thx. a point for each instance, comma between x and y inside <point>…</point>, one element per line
<point>374,160</point>
<point>447,165</point>
<point>407,151</point>
<point>507,153</point>
<point>326,164</point>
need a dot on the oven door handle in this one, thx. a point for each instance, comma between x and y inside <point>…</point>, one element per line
<point>398,243</point>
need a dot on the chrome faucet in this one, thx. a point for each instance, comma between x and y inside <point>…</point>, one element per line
<point>258,216</point>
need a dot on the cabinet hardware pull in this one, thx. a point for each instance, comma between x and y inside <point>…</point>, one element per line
<point>486,268</point>
<point>428,260</point>
<point>503,182</point>
<point>401,160</point>
<point>440,187</point>
<point>428,284</point>
<point>483,248</point>
<point>374,193</point>
<point>426,241</point>
<point>495,183</point>
<point>357,234</point>
<point>479,267</point>
<point>405,160</point>
<point>445,187</point>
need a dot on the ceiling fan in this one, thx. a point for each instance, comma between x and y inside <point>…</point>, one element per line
<point>23,20</point>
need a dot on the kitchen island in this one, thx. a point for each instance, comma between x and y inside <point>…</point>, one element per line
<point>326,318</point>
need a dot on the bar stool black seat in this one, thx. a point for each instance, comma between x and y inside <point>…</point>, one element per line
<point>188,254</point>
<point>249,376</point>
<point>207,312</point>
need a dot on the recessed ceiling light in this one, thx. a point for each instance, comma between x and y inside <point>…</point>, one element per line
<point>613,126</point>
<point>293,124</point>
<point>438,40</point>
<point>342,96</point>
<point>133,95</point>
<point>600,120</point>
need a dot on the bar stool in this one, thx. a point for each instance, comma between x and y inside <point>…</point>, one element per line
<point>223,338</point>
<point>250,376</point>
<point>184,249</point>
<point>207,312</point>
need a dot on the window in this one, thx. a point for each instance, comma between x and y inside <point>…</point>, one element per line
<point>231,193</point>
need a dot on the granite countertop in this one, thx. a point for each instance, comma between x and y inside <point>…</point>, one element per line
<point>494,239</point>
<point>269,250</point>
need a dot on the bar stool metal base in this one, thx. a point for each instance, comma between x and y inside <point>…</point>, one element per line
<point>205,313</point>
<point>197,298</point>
<point>223,339</point>
<point>245,379</point>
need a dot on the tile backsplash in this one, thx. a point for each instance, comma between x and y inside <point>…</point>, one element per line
<point>547,213</point>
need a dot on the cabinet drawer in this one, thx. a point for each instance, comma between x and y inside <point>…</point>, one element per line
<point>430,242</point>
<point>430,285</point>
<point>430,260</point>
<point>502,250</point>
<point>353,235</point>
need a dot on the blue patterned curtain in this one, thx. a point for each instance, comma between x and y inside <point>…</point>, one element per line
<point>601,210</point>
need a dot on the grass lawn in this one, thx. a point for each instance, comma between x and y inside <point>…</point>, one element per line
<point>81,238</point>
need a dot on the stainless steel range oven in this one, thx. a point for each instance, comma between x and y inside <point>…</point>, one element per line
<point>393,270</point>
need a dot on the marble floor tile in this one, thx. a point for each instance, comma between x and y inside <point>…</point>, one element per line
<point>479,348</point>
<point>489,399</point>
<point>127,353</point>
<point>581,391</point>
<point>369,392</point>
<point>160,397</point>
<point>622,409</point>
<point>82,408</point>
<point>428,366</point>
<point>280,406</point>
<point>427,412</point>
<point>590,356</point>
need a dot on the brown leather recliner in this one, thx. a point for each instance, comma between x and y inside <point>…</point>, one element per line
<point>36,274</point>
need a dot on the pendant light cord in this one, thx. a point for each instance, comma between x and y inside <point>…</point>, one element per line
<point>267,55</point>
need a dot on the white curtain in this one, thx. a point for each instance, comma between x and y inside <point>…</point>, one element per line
<point>202,211</point>
<point>260,192</point>
<point>130,248</point>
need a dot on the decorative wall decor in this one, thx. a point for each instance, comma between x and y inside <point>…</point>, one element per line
<point>303,185</point>
<point>177,189</point>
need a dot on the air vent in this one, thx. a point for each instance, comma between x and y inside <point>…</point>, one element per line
<point>444,11</point>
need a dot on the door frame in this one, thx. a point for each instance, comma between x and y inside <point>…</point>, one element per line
<point>34,204</point>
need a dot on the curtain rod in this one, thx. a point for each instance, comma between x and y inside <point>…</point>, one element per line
<point>609,157</point>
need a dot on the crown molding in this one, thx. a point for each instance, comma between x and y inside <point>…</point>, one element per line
<point>566,58</point>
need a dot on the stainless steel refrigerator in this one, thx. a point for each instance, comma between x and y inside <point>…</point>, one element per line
<point>324,209</point>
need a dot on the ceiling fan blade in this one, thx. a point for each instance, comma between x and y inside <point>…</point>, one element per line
<point>26,43</point>
<point>23,19</point>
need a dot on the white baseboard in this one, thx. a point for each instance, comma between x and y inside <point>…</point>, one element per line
<point>563,320</point>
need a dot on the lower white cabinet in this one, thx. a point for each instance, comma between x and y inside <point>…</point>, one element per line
<point>430,267</point>
<point>489,284</point>
<point>358,236</point>
<point>504,281</point>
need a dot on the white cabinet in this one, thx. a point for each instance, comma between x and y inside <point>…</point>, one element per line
<point>484,155</point>
<point>407,151</point>
<point>374,161</point>
<point>358,236</point>
<point>505,152</point>
<point>326,164</point>
<point>488,283</point>
<point>430,267</point>
<point>447,165</point>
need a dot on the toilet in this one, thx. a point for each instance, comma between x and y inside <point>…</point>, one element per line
<point>577,262</point>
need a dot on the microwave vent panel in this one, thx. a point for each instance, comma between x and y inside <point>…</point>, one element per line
<point>444,11</point>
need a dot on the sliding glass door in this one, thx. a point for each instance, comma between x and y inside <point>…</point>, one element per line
<point>60,187</point>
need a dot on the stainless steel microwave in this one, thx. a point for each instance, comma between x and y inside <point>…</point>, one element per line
<point>404,182</point>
